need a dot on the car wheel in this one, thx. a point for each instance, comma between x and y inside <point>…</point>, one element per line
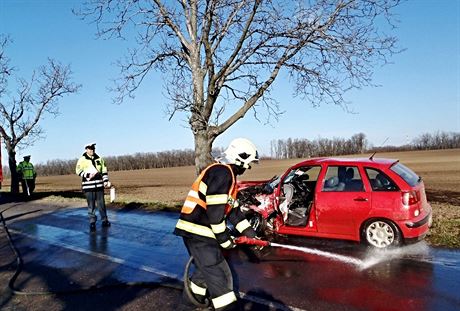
<point>381,233</point>
<point>258,223</point>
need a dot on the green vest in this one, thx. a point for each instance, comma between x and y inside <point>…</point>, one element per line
<point>26,170</point>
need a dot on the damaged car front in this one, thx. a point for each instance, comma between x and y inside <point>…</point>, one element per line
<point>257,202</point>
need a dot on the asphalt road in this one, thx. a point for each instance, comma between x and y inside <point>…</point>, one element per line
<point>61,255</point>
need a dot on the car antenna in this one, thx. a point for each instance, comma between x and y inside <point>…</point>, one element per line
<point>372,156</point>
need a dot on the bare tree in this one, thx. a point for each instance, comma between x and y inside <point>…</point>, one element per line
<point>221,57</point>
<point>21,113</point>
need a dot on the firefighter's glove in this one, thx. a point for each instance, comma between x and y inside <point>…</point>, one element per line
<point>107,184</point>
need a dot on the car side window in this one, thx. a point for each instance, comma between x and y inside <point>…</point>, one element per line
<point>380,181</point>
<point>343,178</point>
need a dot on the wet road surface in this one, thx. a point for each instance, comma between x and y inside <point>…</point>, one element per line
<point>325,275</point>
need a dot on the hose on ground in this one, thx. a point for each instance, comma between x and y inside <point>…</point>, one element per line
<point>188,290</point>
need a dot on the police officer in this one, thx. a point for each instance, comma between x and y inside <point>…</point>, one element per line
<point>94,178</point>
<point>203,223</point>
<point>27,175</point>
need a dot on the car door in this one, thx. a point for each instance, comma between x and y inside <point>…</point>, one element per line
<point>340,199</point>
<point>386,195</point>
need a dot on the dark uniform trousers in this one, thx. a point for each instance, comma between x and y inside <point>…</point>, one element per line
<point>212,270</point>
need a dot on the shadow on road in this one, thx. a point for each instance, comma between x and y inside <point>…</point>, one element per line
<point>88,287</point>
<point>6,197</point>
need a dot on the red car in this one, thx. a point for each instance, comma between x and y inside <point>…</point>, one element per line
<point>377,201</point>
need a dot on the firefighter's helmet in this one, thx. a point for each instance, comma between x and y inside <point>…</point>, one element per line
<point>241,152</point>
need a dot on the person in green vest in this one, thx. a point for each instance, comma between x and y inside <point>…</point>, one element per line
<point>27,175</point>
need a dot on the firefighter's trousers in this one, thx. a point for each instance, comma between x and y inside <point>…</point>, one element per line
<point>213,273</point>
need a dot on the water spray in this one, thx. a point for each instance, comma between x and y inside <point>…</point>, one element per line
<point>346,259</point>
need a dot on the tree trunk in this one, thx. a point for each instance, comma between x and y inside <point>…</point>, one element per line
<point>14,175</point>
<point>203,148</point>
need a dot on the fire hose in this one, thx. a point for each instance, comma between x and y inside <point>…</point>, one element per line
<point>242,240</point>
<point>251,241</point>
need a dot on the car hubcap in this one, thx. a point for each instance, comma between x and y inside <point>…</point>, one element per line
<point>380,234</point>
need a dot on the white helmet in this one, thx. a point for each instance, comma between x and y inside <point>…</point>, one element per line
<point>241,152</point>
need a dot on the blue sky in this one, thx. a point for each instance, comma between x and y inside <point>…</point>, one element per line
<point>419,92</point>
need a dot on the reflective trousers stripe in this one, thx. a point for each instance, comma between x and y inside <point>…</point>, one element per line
<point>198,290</point>
<point>224,300</point>
<point>195,229</point>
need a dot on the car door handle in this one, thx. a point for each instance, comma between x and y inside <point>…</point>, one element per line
<point>361,199</point>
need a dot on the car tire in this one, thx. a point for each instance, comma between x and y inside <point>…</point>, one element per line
<point>258,223</point>
<point>381,233</point>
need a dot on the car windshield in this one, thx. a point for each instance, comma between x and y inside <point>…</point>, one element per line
<point>406,173</point>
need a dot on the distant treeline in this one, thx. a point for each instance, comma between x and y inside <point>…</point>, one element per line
<point>137,161</point>
<point>304,148</point>
<point>280,149</point>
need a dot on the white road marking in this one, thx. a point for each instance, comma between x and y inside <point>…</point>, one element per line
<point>150,269</point>
<point>100,255</point>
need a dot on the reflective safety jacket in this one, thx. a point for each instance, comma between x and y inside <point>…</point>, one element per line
<point>26,170</point>
<point>210,202</point>
<point>87,166</point>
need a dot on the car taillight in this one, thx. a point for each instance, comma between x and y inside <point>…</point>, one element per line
<point>410,197</point>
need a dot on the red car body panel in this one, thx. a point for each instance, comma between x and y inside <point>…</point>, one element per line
<point>342,215</point>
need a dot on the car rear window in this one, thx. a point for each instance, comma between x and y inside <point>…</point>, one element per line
<point>406,173</point>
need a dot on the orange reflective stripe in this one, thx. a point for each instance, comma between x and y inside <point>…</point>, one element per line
<point>190,204</point>
<point>197,201</point>
<point>196,185</point>
<point>193,199</point>
<point>187,210</point>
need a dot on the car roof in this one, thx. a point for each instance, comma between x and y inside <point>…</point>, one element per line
<point>376,162</point>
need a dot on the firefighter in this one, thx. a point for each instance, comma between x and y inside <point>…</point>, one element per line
<point>203,224</point>
<point>94,178</point>
<point>27,175</point>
